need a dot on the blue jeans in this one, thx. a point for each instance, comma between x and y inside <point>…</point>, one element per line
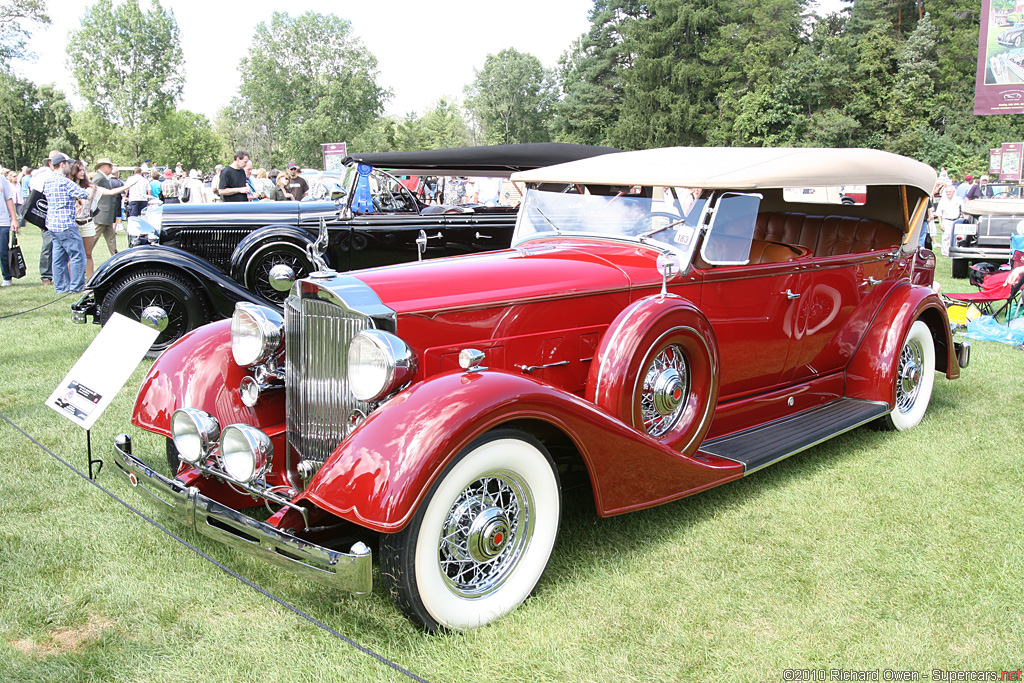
<point>68,261</point>
<point>5,245</point>
<point>46,257</point>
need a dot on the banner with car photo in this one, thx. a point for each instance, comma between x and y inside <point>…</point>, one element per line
<point>1000,80</point>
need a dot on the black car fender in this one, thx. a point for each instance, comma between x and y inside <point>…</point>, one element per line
<point>221,292</point>
<point>262,238</point>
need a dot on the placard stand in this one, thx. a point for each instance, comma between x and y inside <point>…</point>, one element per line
<point>99,375</point>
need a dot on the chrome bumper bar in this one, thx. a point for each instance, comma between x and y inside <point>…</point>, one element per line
<point>351,572</point>
<point>963,353</point>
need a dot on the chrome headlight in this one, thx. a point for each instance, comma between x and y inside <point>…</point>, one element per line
<point>194,433</point>
<point>256,333</point>
<point>379,364</point>
<point>245,452</point>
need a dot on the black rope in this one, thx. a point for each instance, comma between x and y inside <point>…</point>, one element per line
<point>311,619</point>
<point>11,315</point>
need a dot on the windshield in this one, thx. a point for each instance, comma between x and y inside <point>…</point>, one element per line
<point>668,215</point>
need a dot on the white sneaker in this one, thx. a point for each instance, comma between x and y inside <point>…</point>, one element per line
<point>6,283</point>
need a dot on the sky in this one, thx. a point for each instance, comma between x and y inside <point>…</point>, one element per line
<point>424,50</point>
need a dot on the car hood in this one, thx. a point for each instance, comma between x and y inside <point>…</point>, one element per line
<point>533,271</point>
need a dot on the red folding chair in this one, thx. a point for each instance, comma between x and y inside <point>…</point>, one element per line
<point>994,289</point>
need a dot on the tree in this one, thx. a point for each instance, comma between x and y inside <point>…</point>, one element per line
<point>512,97</point>
<point>444,126</point>
<point>305,81</point>
<point>187,137</point>
<point>14,15</point>
<point>591,74</point>
<point>138,80</point>
<point>33,120</point>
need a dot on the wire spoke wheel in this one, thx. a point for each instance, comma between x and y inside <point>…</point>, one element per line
<point>186,309</point>
<point>915,377</point>
<point>485,533</point>
<point>257,273</point>
<point>666,385</point>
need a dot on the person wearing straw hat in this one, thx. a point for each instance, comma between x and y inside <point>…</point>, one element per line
<point>106,207</point>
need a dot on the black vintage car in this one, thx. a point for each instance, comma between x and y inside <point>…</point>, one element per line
<point>196,261</point>
<point>987,226</point>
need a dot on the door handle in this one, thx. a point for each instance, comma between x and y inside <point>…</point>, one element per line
<point>871,282</point>
<point>484,237</point>
<point>790,294</point>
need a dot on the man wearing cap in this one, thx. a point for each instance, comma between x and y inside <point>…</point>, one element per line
<point>107,206</point>
<point>68,248</point>
<point>297,185</point>
<point>962,188</point>
<point>233,185</point>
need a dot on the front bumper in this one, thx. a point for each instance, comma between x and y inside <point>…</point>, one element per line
<point>351,572</point>
<point>83,308</point>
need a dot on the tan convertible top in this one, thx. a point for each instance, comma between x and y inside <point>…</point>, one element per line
<point>741,168</point>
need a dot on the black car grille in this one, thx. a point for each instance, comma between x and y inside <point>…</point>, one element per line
<point>213,246</point>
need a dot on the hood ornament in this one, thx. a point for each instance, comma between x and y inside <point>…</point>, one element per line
<point>315,252</point>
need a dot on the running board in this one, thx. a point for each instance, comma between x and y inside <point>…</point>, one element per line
<point>761,446</point>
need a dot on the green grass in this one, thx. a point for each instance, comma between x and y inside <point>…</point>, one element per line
<point>871,551</point>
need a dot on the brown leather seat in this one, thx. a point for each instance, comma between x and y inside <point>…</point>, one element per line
<point>762,251</point>
<point>827,235</point>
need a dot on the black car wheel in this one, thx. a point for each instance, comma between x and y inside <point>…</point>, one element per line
<point>185,307</point>
<point>257,270</point>
<point>960,267</point>
<point>1017,41</point>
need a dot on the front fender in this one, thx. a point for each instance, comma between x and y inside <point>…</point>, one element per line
<point>221,291</point>
<point>287,233</point>
<point>380,474</point>
<point>198,371</point>
<point>871,374</point>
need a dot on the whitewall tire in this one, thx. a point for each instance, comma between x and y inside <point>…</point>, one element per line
<point>915,377</point>
<point>480,541</point>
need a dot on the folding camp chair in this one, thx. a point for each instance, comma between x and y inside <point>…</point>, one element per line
<point>994,291</point>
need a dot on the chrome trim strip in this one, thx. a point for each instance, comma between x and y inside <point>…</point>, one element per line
<point>351,572</point>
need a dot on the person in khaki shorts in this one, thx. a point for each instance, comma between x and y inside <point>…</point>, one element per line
<point>107,207</point>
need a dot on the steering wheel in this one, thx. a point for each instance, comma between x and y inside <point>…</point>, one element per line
<point>646,222</point>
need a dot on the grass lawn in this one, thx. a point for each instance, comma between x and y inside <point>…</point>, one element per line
<point>872,551</point>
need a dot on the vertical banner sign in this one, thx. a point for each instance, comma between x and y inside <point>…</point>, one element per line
<point>999,87</point>
<point>995,161</point>
<point>1009,166</point>
<point>334,155</point>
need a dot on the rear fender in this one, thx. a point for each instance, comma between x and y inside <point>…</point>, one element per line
<point>222,292</point>
<point>198,371</point>
<point>871,374</point>
<point>379,475</point>
<point>254,240</point>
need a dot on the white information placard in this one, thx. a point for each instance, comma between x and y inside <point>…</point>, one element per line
<point>103,369</point>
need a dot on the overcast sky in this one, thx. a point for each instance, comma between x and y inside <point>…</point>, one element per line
<point>425,50</point>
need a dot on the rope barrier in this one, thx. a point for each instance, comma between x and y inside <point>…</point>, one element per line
<point>11,315</point>
<point>311,619</point>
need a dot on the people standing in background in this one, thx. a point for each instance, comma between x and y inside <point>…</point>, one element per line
<point>282,184</point>
<point>192,187</point>
<point>68,249</point>
<point>154,184</point>
<point>169,188</point>
<point>297,185</point>
<point>8,223</point>
<point>948,210</point>
<point>962,188</point>
<point>233,186</point>
<point>108,208</point>
<point>138,193</point>
<point>215,185</point>
<point>39,177</point>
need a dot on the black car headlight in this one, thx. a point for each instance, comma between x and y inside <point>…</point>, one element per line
<point>256,333</point>
<point>379,364</point>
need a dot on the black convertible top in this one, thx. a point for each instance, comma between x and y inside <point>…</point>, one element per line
<point>489,160</point>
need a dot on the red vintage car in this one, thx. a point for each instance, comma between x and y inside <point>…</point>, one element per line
<point>668,324</point>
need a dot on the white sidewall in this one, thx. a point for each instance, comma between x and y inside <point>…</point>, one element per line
<point>902,421</point>
<point>515,455</point>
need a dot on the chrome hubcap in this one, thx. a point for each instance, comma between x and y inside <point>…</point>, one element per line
<point>665,388</point>
<point>908,383</point>
<point>485,534</point>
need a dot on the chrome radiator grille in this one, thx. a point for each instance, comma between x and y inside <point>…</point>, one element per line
<point>317,336</point>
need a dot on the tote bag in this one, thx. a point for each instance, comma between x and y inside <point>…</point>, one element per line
<point>16,260</point>
<point>35,209</point>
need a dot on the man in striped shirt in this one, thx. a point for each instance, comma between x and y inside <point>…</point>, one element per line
<point>68,248</point>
